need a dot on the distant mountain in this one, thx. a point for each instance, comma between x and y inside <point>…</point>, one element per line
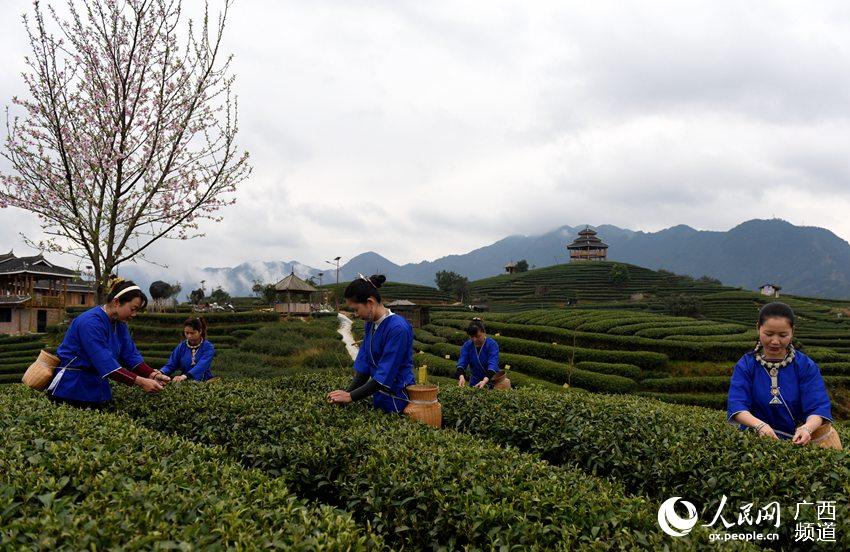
<point>803,260</point>
<point>237,280</point>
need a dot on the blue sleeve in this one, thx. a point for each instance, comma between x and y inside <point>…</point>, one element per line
<point>95,343</point>
<point>493,360</point>
<point>203,361</point>
<point>173,362</point>
<point>397,346</point>
<point>130,355</point>
<point>740,389</point>
<point>463,358</point>
<point>813,396</point>
<point>361,365</point>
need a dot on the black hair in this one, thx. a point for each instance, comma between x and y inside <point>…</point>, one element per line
<point>475,326</point>
<point>776,310</point>
<point>361,289</point>
<point>117,285</point>
<point>198,324</point>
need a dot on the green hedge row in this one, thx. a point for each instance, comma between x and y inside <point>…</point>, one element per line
<point>716,401</point>
<point>835,368</point>
<point>549,370</point>
<point>606,325</point>
<point>212,318</point>
<point>702,329</point>
<point>631,329</point>
<point>709,384</point>
<point>643,359</point>
<point>82,480</point>
<point>9,339</point>
<point>24,346</point>
<point>213,331</point>
<point>425,336</point>
<point>21,353</point>
<point>437,366</point>
<point>618,369</point>
<point>672,349</point>
<point>659,451</point>
<point>18,368</point>
<point>417,487</point>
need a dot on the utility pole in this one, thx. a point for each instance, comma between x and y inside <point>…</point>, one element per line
<point>335,261</point>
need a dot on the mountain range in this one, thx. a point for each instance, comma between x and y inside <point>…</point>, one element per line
<point>803,260</point>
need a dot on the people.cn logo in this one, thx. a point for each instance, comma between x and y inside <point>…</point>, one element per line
<point>670,521</point>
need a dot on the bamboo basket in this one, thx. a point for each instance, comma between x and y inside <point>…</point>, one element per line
<point>423,405</point>
<point>501,380</point>
<point>826,437</point>
<point>40,373</point>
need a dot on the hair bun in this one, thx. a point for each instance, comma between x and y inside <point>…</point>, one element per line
<point>113,281</point>
<point>377,280</point>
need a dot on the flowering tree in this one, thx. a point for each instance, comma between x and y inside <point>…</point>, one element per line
<point>127,137</point>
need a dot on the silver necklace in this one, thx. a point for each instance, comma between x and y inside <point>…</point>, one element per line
<point>194,349</point>
<point>773,370</point>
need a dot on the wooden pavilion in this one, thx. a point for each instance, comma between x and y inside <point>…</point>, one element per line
<point>294,295</point>
<point>588,247</point>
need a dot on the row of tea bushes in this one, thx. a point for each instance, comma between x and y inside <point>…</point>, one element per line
<point>716,401</point>
<point>176,319</point>
<point>555,350</point>
<point>415,486</point>
<point>686,350</point>
<point>82,480</point>
<point>17,352</point>
<point>658,450</point>
<point>441,367</point>
<point>556,372</point>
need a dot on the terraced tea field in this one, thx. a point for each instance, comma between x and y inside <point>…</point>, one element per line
<point>260,460</point>
<point>674,359</point>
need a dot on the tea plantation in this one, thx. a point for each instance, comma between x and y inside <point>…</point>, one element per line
<point>579,456</point>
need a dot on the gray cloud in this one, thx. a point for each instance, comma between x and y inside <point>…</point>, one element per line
<point>424,129</point>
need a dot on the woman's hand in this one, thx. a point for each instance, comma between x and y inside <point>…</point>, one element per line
<point>178,379</point>
<point>767,431</point>
<point>481,384</point>
<point>160,377</point>
<point>461,381</point>
<point>802,436</point>
<point>149,385</point>
<point>339,397</point>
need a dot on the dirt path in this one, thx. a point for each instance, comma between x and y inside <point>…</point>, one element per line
<point>347,337</point>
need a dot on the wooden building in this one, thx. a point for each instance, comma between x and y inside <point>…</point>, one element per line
<point>294,296</point>
<point>511,268</point>
<point>35,292</point>
<point>417,315</point>
<point>588,247</point>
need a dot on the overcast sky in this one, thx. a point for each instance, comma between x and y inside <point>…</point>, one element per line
<point>420,129</point>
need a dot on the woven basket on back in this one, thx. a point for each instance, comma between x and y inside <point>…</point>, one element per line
<point>423,405</point>
<point>826,437</point>
<point>40,372</point>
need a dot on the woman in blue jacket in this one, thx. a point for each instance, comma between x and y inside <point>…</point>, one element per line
<point>384,363</point>
<point>775,390</point>
<point>480,354</point>
<point>98,346</point>
<point>194,356</point>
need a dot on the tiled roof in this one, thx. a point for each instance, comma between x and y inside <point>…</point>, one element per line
<point>10,264</point>
<point>294,283</point>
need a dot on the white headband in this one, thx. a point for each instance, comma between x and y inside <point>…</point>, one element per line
<point>125,290</point>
